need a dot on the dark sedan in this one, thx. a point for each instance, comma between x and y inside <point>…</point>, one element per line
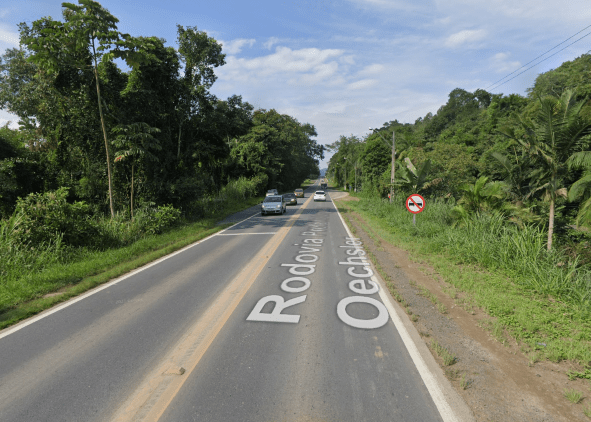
<point>290,199</point>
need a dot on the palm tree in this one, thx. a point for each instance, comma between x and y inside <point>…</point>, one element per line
<point>550,139</point>
<point>582,187</point>
<point>411,178</point>
<point>481,196</point>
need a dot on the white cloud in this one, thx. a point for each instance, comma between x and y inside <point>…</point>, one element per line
<point>8,36</point>
<point>372,69</point>
<point>389,4</point>
<point>362,84</point>
<point>501,63</point>
<point>283,61</point>
<point>465,36</point>
<point>6,117</point>
<point>235,46</point>
<point>271,42</point>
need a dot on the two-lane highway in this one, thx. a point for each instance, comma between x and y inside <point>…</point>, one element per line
<point>278,318</point>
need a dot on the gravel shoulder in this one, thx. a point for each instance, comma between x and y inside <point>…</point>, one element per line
<point>496,380</point>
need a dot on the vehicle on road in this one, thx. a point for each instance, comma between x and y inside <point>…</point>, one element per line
<point>324,185</point>
<point>274,204</point>
<point>290,199</point>
<point>299,193</point>
<point>272,192</point>
<point>319,195</point>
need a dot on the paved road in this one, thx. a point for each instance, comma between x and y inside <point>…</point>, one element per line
<point>274,319</point>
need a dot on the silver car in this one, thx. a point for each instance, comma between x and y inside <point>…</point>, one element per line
<point>274,204</point>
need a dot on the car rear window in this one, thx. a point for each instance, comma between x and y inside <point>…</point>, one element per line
<point>299,190</point>
<point>289,195</point>
<point>272,199</point>
<point>319,192</point>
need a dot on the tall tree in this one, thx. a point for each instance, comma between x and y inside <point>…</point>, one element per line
<point>136,141</point>
<point>550,139</point>
<point>87,35</point>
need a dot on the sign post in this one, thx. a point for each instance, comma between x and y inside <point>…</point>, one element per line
<point>415,203</point>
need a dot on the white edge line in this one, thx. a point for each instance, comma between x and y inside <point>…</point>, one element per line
<point>430,381</point>
<point>243,234</point>
<point>58,308</point>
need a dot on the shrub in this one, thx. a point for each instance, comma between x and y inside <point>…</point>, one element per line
<point>156,220</point>
<point>45,216</point>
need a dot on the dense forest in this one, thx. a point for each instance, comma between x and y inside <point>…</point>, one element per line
<point>95,141</point>
<point>525,157</point>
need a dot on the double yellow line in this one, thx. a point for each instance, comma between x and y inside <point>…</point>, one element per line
<point>158,389</point>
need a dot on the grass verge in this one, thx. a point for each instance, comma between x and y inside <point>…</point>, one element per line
<point>551,328</point>
<point>26,296</point>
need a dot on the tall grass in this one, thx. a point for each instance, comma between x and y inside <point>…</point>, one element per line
<point>492,242</point>
<point>28,270</point>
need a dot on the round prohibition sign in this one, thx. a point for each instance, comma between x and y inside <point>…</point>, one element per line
<point>415,203</point>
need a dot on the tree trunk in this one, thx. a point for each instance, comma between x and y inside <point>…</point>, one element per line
<point>132,165</point>
<point>551,224</point>
<point>98,92</point>
<point>178,154</point>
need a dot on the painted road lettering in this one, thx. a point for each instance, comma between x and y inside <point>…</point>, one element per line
<point>358,268</point>
<point>305,266</point>
<point>275,315</point>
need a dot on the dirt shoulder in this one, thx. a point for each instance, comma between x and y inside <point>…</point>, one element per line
<point>496,380</point>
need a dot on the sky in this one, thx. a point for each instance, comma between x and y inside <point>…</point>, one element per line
<point>347,65</point>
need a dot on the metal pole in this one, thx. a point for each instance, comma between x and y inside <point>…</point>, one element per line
<point>414,219</point>
<point>392,172</point>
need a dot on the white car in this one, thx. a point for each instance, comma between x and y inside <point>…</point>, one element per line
<point>319,195</point>
<point>274,204</point>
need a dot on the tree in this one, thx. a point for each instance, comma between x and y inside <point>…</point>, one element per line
<point>414,180</point>
<point>87,35</point>
<point>550,139</point>
<point>200,54</point>
<point>137,142</point>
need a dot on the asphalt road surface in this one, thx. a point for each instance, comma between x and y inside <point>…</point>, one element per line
<point>277,318</point>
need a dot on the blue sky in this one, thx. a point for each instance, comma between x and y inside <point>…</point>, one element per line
<point>346,65</point>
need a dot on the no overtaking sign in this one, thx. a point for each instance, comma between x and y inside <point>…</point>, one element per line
<point>415,203</point>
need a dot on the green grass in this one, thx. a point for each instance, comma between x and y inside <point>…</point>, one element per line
<point>448,357</point>
<point>573,395</point>
<point>587,410</point>
<point>52,267</point>
<point>500,269</point>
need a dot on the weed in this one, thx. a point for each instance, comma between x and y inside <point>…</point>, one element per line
<point>498,332</point>
<point>452,373</point>
<point>414,318</point>
<point>443,353</point>
<point>424,334</point>
<point>533,358</point>
<point>587,410</point>
<point>412,283</point>
<point>573,395</point>
<point>442,308</point>
<point>464,383</point>
<point>451,292</point>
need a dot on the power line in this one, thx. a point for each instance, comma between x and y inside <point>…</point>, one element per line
<point>586,35</point>
<point>557,45</point>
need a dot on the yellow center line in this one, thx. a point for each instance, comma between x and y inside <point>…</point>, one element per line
<point>149,401</point>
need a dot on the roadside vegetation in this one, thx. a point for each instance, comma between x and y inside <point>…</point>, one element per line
<point>507,222</point>
<point>110,166</point>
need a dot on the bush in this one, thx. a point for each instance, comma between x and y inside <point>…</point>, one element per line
<point>45,216</point>
<point>156,220</point>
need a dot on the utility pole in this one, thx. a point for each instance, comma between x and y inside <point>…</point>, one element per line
<point>392,172</point>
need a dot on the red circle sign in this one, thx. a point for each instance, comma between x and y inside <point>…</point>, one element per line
<point>415,203</point>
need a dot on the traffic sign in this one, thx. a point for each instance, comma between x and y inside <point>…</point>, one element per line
<point>415,203</point>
